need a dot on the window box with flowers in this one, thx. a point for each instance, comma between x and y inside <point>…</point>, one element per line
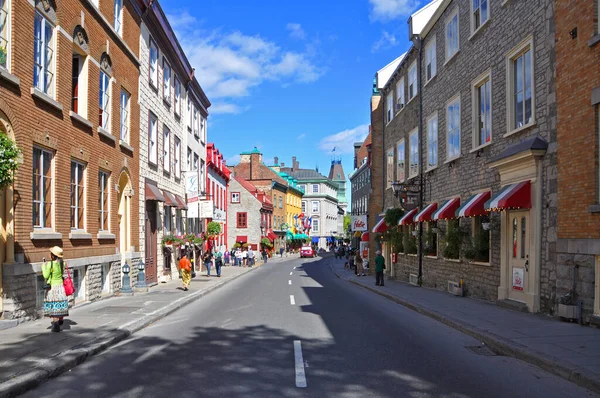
<point>9,160</point>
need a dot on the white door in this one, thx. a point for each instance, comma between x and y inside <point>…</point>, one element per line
<point>518,254</point>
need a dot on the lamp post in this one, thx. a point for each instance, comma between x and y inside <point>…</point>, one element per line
<point>126,285</point>
<point>141,282</point>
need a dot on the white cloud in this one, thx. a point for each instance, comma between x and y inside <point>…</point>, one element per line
<point>387,10</point>
<point>387,40</point>
<point>225,108</point>
<point>233,160</point>
<point>296,31</point>
<point>301,136</point>
<point>343,142</point>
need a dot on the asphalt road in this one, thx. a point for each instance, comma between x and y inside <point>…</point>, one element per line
<point>245,340</point>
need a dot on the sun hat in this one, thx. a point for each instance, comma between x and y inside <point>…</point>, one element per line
<point>57,251</point>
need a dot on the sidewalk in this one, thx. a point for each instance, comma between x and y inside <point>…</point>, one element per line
<point>30,354</point>
<point>564,349</point>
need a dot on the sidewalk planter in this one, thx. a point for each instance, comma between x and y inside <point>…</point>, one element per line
<point>567,311</point>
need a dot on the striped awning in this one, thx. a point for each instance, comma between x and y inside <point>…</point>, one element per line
<point>448,210</point>
<point>364,237</point>
<point>409,218</point>
<point>514,196</point>
<point>180,203</point>
<point>169,199</point>
<point>380,227</point>
<point>474,206</point>
<point>426,214</point>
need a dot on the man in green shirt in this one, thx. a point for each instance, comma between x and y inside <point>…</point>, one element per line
<point>379,267</point>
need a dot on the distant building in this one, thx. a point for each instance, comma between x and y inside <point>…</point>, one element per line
<point>360,187</point>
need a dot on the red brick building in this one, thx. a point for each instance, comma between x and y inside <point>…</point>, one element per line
<point>578,109</point>
<point>69,98</point>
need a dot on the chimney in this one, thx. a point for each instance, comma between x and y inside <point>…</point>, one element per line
<point>276,159</point>
<point>255,164</point>
<point>282,164</point>
<point>295,164</point>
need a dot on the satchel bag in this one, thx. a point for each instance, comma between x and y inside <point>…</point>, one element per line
<point>68,282</point>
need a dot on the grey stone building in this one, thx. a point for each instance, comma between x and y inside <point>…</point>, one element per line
<point>475,131</point>
<point>360,183</point>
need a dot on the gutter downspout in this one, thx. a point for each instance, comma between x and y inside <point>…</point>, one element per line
<point>418,42</point>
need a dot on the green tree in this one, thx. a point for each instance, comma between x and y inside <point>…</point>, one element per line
<point>347,222</point>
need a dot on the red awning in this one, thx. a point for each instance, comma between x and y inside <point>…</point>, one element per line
<point>153,193</point>
<point>426,214</point>
<point>448,210</point>
<point>409,218</point>
<point>241,238</point>
<point>380,227</point>
<point>180,203</point>
<point>365,237</point>
<point>169,199</point>
<point>514,196</point>
<point>271,236</point>
<point>474,206</point>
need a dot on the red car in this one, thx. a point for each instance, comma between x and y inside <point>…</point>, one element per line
<point>307,251</point>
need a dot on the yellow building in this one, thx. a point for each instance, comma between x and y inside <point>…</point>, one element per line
<point>293,203</point>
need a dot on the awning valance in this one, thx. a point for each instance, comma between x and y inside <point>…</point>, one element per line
<point>271,236</point>
<point>365,237</point>
<point>447,210</point>
<point>380,227</point>
<point>514,196</point>
<point>474,206</point>
<point>169,199</point>
<point>241,239</point>
<point>409,218</point>
<point>180,203</point>
<point>426,214</point>
<point>153,193</point>
<point>315,239</point>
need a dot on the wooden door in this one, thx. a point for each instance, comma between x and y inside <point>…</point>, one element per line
<point>151,242</point>
<point>518,255</point>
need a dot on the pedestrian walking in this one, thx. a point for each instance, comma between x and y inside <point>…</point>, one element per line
<point>281,252</point>
<point>265,255</point>
<point>185,266</point>
<point>226,257</point>
<point>245,258</point>
<point>207,258</point>
<point>359,264</point>
<point>379,267</point>
<point>250,257</point>
<point>238,257</point>
<point>218,262</point>
<point>56,302</point>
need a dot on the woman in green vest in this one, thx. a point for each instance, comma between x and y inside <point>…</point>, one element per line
<point>56,303</point>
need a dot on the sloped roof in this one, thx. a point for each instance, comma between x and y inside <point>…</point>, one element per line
<point>264,173</point>
<point>336,168</point>
<point>246,185</point>
<point>304,174</point>
<point>420,18</point>
<point>384,74</point>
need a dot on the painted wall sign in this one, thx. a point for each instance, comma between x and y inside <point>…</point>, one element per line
<point>518,279</point>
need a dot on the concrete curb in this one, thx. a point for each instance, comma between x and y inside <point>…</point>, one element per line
<point>497,343</point>
<point>68,359</point>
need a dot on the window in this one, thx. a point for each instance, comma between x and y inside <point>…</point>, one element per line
<point>389,170</point>
<point>189,113</point>
<point>177,157</point>
<point>103,202</point>
<point>203,129</point>
<point>400,95</point>
<point>77,195</point>
<point>43,55</point>
<point>480,13</point>
<point>166,149</point>
<point>119,17</point>
<point>452,35</point>
<point>480,241</point>
<point>189,159</point>
<point>430,246</point>
<point>414,154</point>
<point>432,141</point>
<point>315,188</point>
<point>281,202</point>
<point>401,165</point>
<point>430,60</point>
<point>315,226</point>
<point>235,197</point>
<point>153,139</point>
<point>42,188</point>
<point>242,220</point>
<point>195,165</point>
<point>195,126</point>
<point>453,128</point>
<point>124,116</point>
<point>315,206</point>
<point>153,64</point>
<point>389,111</point>
<point>482,111</point>
<point>412,81</point>
<point>521,111</point>
<point>104,101</point>
<point>303,207</point>
<point>4,32</point>
<point>166,81</point>
<point>177,97</point>
<point>168,220</point>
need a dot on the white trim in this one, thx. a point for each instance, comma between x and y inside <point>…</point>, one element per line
<point>474,30</point>
<point>416,133</point>
<point>444,207</point>
<point>524,46</point>
<point>469,204</point>
<point>403,142</point>
<point>412,66</point>
<point>507,192</point>
<point>65,33</point>
<point>419,214</point>
<point>410,214</point>
<point>449,19</point>
<point>450,102</point>
<point>475,85</point>
<point>382,221</point>
<point>434,115</point>
<point>432,43</point>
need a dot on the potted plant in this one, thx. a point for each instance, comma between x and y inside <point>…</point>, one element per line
<point>9,160</point>
<point>453,240</point>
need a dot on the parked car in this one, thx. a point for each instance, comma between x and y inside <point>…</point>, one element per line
<point>307,251</point>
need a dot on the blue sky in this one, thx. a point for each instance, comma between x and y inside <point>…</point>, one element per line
<point>292,78</point>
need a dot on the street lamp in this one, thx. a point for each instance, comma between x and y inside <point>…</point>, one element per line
<point>141,282</point>
<point>126,285</point>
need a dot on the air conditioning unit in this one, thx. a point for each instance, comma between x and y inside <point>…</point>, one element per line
<point>413,279</point>
<point>455,288</point>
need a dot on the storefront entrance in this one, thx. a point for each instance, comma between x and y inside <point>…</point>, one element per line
<point>518,255</point>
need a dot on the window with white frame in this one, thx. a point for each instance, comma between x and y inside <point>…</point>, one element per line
<point>203,129</point>
<point>43,186</point>
<point>480,13</point>
<point>177,97</point>
<point>389,105</point>
<point>195,166</point>
<point>124,116</point>
<point>521,109</point>
<point>153,139</point>
<point>315,206</point>
<point>400,95</point>
<point>166,81</point>
<point>104,101</point>
<point>315,188</point>
<point>412,81</point>
<point>77,195</point>
<point>189,113</point>
<point>177,157</point>
<point>452,35</point>
<point>389,169</point>
<point>189,159</point>
<point>303,206</point>
<point>4,33</point>
<point>103,201</point>
<point>168,224</point>
<point>166,149</point>
<point>430,60</point>
<point>43,55</point>
<point>482,110</point>
<point>79,85</point>
<point>453,128</point>
<point>235,197</point>
<point>414,154</point>
<point>432,141</point>
<point>315,226</point>
<point>153,64</point>
<point>401,163</point>
<point>118,23</point>
<point>196,125</point>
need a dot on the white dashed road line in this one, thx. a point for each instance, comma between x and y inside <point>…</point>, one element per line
<point>291,273</point>
<point>292,301</point>
<point>290,282</point>
<point>300,375</point>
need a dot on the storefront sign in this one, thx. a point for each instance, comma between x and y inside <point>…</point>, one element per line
<point>206,209</point>
<point>191,189</point>
<point>359,223</point>
<point>364,249</point>
<point>518,279</point>
<point>219,215</point>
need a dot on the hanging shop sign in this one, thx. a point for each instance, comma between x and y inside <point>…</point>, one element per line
<point>359,223</point>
